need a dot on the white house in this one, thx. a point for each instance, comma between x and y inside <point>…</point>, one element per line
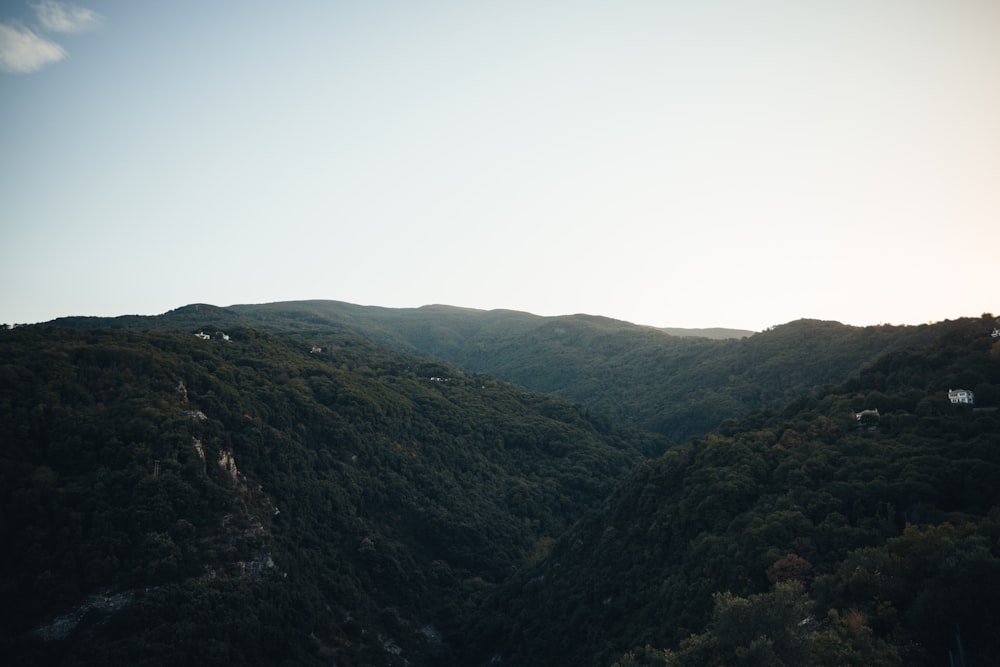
<point>960,396</point>
<point>867,417</point>
<point>202,335</point>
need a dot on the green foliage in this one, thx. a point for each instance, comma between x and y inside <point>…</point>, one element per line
<point>253,501</point>
<point>884,531</point>
<point>777,628</point>
<point>678,386</point>
<point>342,495</point>
<point>765,629</point>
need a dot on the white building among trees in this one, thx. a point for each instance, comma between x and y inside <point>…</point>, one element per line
<point>960,396</point>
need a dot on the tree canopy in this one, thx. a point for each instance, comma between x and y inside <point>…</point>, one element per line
<point>890,533</point>
<point>289,489</point>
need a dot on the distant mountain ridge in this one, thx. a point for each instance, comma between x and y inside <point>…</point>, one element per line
<point>642,376</point>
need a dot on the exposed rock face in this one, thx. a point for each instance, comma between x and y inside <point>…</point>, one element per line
<point>103,602</point>
<point>228,463</point>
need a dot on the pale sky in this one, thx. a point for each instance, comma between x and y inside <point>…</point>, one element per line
<point>678,163</point>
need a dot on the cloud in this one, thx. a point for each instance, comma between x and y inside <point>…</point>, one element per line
<point>22,51</point>
<point>63,17</point>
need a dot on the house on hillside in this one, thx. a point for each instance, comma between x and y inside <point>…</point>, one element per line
<point>961,396</point>
<point>202,335</point>
<point>869,418</point>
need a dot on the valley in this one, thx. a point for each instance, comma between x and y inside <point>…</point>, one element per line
<point>333,484</point>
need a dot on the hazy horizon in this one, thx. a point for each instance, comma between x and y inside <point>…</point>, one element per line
<point>448,305</point>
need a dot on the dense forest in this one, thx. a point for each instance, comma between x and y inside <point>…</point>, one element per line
<point>823,534</point>
<point>643,377</point>
<point>260,499</point>
<point>315,488</point>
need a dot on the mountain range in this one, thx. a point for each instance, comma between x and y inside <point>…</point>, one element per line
<point>325,483</point>
<point>649,378</point>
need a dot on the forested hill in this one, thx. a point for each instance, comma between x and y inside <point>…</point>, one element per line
<point>813,536</point>
<point>678,386</point>
<point>253,499</point>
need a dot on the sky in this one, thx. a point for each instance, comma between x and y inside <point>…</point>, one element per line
<point>675,163</point>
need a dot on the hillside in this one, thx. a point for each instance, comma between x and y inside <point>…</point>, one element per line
<point>307,495</point>
<point>263,499</point>
<point>807,537</point>
<point>647,378</point>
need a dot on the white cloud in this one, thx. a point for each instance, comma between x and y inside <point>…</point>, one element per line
<point>22,51</point>
<point>63,17</point>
